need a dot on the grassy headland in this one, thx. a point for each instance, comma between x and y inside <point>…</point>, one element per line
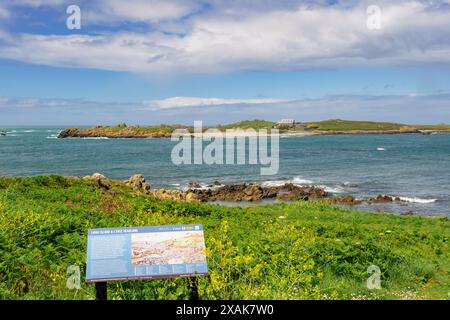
<point>346,125</point>
<point>338,125</point>
<point>286,251</point>
<point>335,126</point>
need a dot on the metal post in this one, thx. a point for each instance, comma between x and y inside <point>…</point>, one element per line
<point>194,289</point>
<point>101,291</point>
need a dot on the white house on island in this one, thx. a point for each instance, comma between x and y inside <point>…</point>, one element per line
<point>286,123</point>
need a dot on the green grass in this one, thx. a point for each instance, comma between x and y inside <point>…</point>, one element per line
<point>250,124</point>
<point>302,250</point>
<point>440,126</point>
<point>346,125</point>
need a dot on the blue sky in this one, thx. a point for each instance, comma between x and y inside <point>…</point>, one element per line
<point>157,61</point>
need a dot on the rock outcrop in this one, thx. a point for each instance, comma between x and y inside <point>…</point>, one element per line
<point>237,192</point>
<point>70,133</point>
<point>99,180</point>
<point>169,194</point>
<point>346,200</point>
<point>138,183</point>
<point>242,192</point>
<point>194,185</point>
<point>382,199</point>
<point>350,200</point>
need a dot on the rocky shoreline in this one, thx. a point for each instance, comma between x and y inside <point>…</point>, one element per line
<point>245,192</point>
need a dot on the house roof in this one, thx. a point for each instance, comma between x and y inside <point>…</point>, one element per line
<point>286,121</point>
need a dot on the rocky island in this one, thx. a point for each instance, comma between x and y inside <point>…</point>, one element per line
<point>292,128</point>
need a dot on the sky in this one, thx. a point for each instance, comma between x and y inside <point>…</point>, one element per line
<point>176,61</point>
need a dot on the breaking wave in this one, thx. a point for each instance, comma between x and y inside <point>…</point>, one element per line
<point>417,200</point>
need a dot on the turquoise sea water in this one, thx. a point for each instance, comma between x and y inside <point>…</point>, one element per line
<point>414,166</point>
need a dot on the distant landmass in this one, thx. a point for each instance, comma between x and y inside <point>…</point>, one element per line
<point>285,126</point>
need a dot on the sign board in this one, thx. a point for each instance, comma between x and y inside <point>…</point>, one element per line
<point>145,253</point>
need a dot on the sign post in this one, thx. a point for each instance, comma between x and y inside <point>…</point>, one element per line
<point>101,292</point>
<point>194,289</point>
<point>138,253</point>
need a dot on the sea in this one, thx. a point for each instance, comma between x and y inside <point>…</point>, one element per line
<point>415,167</point>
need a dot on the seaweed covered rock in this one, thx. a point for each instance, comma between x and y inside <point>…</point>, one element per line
<point>346,200</point>
<point>254,192</point>
<point>70,133</point>
<point>383,199</point>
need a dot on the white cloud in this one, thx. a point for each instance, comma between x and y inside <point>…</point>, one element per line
<point>404,109</point>
<point>292,35</point>
<point>139,10</point>
<point>19,103</point>
<point>36,3</point>
<point>180,102</point>
<point>4,13</point>
<point>3,101</point>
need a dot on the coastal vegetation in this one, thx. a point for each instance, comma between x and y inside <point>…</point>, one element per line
<point>347,125</point>
<point>335,126</point>
<point>121,131</point>
<point>249,124</point>
<point>298,250</point>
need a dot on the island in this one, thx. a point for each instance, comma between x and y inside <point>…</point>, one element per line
<point>285,127</point>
